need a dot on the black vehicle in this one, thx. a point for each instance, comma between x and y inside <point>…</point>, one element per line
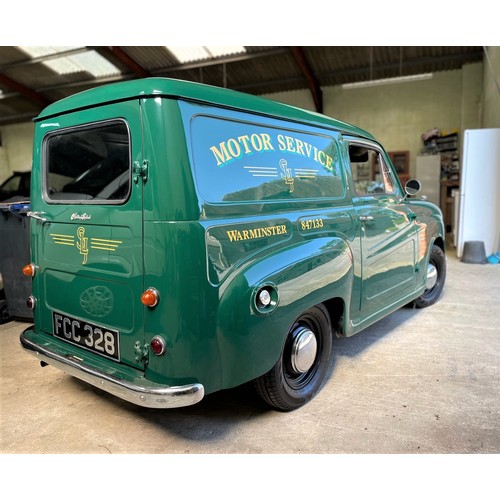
<point>17,185</point>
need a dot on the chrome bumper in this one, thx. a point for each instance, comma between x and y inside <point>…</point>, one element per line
<point>145,393</point>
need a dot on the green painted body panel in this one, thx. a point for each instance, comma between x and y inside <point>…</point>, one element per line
<point>163,87</point>
<point>207,248</point>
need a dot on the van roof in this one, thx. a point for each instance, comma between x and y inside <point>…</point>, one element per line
<point>167,87</point>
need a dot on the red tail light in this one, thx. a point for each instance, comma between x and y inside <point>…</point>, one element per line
<point>158,345</point>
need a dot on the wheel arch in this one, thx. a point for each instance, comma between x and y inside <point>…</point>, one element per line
<point>439,241</point>
<point>316,272</point>
<point>336,308</point>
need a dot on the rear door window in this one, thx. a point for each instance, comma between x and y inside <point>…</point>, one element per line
<point>89,164</point>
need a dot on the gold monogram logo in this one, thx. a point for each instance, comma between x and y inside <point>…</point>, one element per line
<point>83,244</point>
<point>287,174</point>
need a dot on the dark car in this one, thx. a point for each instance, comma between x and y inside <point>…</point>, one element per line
<point>17,185</point>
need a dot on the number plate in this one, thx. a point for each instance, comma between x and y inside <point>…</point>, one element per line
<point>95,338</point>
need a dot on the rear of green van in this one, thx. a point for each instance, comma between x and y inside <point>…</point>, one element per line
<point>90,292</point>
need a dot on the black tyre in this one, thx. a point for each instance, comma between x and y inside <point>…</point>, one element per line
<point>303,364</point>
<point>436,276</point>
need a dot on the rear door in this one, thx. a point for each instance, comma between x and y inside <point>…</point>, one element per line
<point>89,231</point>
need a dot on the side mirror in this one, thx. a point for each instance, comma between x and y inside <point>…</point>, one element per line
<point>412,187</point>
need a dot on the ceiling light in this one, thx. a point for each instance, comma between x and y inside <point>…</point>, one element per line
<point>386,81</point>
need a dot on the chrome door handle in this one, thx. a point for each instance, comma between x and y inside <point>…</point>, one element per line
<point>365,218</point>
<point>36,215</point>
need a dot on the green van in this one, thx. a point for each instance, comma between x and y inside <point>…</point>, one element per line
<point>187,239</point>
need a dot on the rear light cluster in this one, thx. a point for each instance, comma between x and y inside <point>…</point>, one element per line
<point>29,270</point>
<point>150,298</point>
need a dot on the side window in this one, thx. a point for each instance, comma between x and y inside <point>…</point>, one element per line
<point>371,175</point>
<point>239,161</point>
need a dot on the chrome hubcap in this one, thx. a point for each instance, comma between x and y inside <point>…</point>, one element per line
<point>432,276</point>
<point>304,350</point>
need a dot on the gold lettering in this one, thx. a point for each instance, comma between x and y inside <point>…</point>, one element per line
<point>289,144</point>
<point>234,148</point>
<point>232,234</point>
<point>329,162</point>
<point>321,153</point>
<point>281,141</point>
<point>258,232</point>
<point>266,138</point>
<point>244,140</point>
<point>221,156</point>
<point>300,147</point>
<point>256,142</point>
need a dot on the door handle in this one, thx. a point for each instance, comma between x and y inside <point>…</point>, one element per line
<point>365,218</point>
<point>36,215</point>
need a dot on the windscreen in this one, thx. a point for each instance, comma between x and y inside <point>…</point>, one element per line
<point>88,164</point>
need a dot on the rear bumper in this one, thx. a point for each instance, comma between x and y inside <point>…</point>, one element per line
<point>137,390</point>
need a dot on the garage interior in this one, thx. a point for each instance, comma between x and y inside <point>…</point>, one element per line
<point>417,382</point>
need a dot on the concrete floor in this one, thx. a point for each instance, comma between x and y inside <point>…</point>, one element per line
<point>419,381</point>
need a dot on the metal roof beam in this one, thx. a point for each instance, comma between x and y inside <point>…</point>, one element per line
<point>30,94</point>
<point>23,117</point>
<point>163,71</point>
<point>462,58</point>
<point>221,60</point>
<point>312,82</point>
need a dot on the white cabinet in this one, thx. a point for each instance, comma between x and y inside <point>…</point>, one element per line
<point>428,172</point>
<point>479,218</point>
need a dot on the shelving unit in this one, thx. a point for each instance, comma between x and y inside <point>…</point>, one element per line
<point>445,144</point>
<point>401,162</point>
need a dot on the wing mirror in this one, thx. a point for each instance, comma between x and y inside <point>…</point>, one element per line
<point>412,187</point>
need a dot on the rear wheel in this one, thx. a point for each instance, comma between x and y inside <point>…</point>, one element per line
<point>436,275</point>
<point>299,372</point>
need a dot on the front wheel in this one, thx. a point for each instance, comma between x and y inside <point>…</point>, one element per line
<point>436,275</point>
<point>303,364</point>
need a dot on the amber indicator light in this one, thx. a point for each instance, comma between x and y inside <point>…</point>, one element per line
<point>29,270</point>
<point>150,297</point>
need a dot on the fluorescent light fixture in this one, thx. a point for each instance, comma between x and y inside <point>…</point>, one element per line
<point>386,81</point>
<point>190,53</point>
<point>90,61</point>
